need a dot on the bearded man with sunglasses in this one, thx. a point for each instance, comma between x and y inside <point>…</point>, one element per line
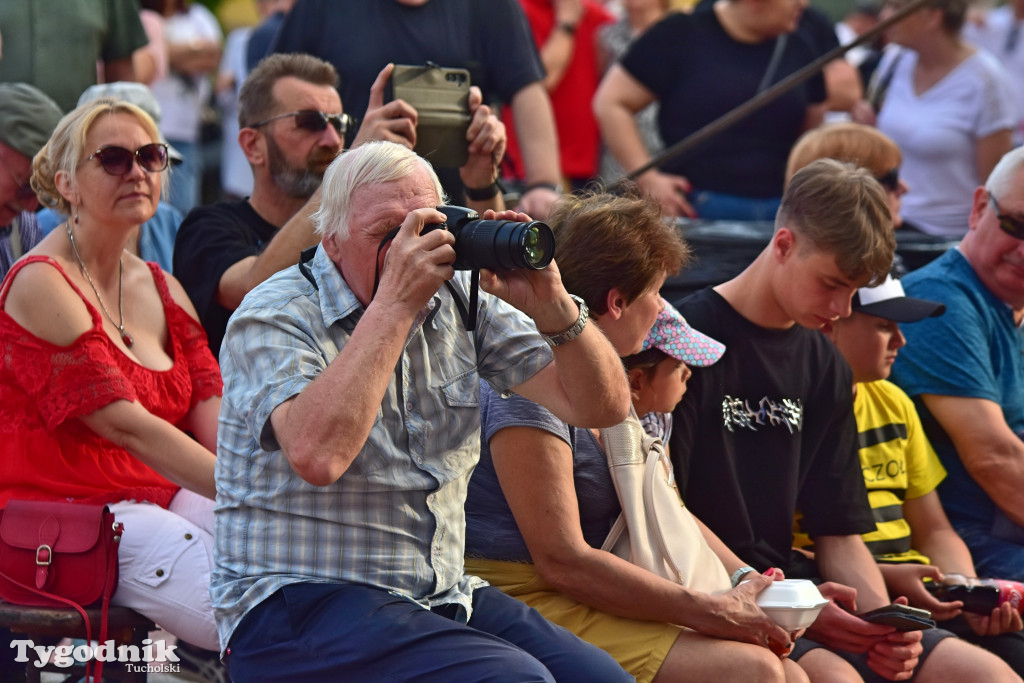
<point>27,117</point>
<point>965,372</point>
<point>292,127</point>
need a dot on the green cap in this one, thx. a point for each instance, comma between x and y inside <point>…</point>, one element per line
<point>27,117</point>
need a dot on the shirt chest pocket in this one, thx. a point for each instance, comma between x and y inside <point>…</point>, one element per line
<point>461,420</point>
<point>463,391</point>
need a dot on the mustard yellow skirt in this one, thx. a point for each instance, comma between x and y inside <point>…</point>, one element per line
<point>638,646</point>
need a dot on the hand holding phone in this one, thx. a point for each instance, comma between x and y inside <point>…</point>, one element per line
<point>440,96</point>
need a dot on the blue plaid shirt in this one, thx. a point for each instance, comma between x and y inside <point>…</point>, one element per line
<point>395,519</point>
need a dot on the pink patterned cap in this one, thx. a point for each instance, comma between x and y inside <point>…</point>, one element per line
<point>673,335</point>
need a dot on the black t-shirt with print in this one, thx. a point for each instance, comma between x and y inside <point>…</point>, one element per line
<point>767,430</point>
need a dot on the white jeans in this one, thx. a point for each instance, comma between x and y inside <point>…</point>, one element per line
<point>165,559</point>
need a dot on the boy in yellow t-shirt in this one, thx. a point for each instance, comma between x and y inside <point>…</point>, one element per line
<point>913,539</point>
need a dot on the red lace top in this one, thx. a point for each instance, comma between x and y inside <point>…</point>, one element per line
<point>47,454</point>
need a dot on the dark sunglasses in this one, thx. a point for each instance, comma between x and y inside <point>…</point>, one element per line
<point>891,180</point>
<point>313,120</point>
<point>24,192</point>
<point>1012,226</point>
<point>118,160</point>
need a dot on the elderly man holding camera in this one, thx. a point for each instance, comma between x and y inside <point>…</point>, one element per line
<point>349,431</point>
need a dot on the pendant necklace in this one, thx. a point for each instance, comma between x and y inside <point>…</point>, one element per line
<point>125,337</point>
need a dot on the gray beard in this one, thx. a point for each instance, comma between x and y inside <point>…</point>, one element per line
<point>298,183</point>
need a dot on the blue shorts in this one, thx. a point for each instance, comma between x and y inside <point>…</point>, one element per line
<point>344,632</point>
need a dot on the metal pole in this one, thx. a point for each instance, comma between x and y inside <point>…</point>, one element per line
<point>764,97</point>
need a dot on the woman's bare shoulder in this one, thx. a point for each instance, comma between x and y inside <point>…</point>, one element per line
<point>42,300</point>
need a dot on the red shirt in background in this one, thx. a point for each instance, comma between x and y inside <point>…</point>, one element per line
<point>579,139</point>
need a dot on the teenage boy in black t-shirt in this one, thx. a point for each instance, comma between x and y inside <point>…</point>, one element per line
<point>771,426</point>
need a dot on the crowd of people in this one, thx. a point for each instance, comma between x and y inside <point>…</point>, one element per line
<point>342,451</point>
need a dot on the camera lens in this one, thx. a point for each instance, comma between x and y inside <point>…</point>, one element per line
<point>504,245</point>
<point>536,250</point>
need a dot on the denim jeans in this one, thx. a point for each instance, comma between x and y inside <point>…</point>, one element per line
<point>717,206</point>
<point>186,177</point>
<point>346,632</point>
<point>994,557</point>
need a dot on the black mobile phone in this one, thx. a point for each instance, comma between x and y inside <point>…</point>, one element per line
<point>900,617</point>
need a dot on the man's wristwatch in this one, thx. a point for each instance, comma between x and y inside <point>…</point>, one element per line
<point>575,330</point>
<point>567,28</point>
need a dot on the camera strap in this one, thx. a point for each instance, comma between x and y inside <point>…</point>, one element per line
<point>304,258</point>
<point>468,315</point>
<point>376,262</point>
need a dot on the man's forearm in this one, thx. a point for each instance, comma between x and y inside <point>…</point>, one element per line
<point>990,451</point>
<point>1000,472</point>
<point>535,126</point>
<point>846,560</point>
<point>585,385</point>
<point>323,429</point>
<point>281,252</point>
<point>594,380</point>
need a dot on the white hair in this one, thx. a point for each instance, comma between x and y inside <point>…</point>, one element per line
<point>1001,180</point>
<point>369,164</point>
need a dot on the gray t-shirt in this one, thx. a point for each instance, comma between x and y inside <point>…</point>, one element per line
<point>491,531</point>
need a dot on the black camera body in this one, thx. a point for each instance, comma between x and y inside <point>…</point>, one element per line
<point>496,244</point>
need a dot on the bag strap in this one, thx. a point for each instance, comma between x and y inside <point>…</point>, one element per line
<point>655,453</point>
<point>878,88</point>
<point>108,589</point>
<point>620,526</point>
<point>773,64</point>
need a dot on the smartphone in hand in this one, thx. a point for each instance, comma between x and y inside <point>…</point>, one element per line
<point>440,96</point>
<point>900,617</point>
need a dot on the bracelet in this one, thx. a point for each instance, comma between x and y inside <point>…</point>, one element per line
<point>739,574</point>
<point>480,194</point>
<point>554,187</point>
<point>567,28</point>
<point>574,330</point>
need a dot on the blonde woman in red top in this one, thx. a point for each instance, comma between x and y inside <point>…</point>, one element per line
<point>108,392</point>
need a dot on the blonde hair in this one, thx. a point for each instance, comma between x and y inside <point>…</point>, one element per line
<point>842,210</point>
<point>66,147</point>
<point>853,143</point>
<point>369,164</point>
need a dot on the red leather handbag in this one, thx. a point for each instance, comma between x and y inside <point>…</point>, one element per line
<point>56,554</point>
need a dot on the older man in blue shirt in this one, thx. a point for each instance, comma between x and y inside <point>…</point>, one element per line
<point>350,428</point>
<point>966,373</point>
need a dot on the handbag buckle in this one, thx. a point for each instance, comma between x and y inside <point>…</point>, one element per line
<point>44,554</point>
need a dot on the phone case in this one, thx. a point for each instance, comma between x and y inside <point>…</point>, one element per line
<point>440,96</point>
<point>901,617</point>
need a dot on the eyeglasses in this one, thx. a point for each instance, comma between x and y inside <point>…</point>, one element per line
<point>1012,226</point>
<point>118,160</point>
<point>24,192</point>
<point>313,121</point>
<point>891,180</point>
